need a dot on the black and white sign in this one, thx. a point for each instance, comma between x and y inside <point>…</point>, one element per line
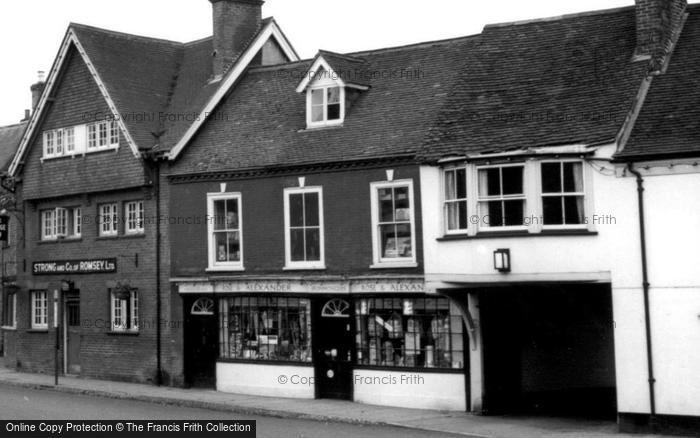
<point>94,266</point>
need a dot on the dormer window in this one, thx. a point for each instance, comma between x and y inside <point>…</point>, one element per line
<point>330,83</point>
<point>326,105</point>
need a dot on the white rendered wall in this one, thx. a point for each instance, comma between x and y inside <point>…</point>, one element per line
<point>266,380</point>
<point>411,390</point>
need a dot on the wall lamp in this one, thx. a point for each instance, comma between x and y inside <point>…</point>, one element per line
<point>501,260</point>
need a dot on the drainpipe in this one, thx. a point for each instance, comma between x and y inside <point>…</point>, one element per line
<point>153,160</point>
<point>645,286</point>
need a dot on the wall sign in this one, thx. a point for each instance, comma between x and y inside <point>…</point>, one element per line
<point>94,266</point>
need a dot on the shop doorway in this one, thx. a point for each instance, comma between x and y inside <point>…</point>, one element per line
<point>548,350</point>
<point>333,349</point>
<point>201,342</point>
<point>73,335</point>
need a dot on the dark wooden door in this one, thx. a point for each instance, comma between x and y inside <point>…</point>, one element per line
<point>201,343</point>
<point>333,350</point>
<point>73,336</point>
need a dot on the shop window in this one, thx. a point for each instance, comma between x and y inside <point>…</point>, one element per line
<point>304,228</point>
<point>125,310</point>
<point>134,217</point>
<point>225,232</point>
<point>40,309</point>
<point>562,193</point>
<point>409,332</point>
<point>265,329</point>
<point>9,310</point>
<point>502,196</point>
<point>393,226</point>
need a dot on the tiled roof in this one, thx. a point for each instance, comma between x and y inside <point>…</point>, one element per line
<point>263,121</point>
<point>669,122</point>
<point>349,68</point>
<point>10,136</point>
<point>546,82</point>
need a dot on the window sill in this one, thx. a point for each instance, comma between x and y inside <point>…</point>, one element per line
<point>266,362</point>
<point>304,268</point>
<point>81,154</point>
<point>38,330</point>
<point>124,333</point>
<point>225,269</point>
<point>8,328</point>
<point>393,265</point>
<point>413,370</point>
<point>321,127</point>
<point>509,234</point>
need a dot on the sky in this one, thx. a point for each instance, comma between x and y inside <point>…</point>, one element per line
<point>31,32</point>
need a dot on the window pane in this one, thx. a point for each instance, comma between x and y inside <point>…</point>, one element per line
<point>296,241</point>
<point>403,242</point>
<point>461,183</point>
<point>221,247</point>
<point>388,240</point>
<point>450,185</point>
<point>457,215</point>
<point>334,111</point>
<point>573,177</point>
<point>333,95</point>
<point>219,215</point>
<point>317,113</point>
<point>573,207</point>
<point>512,180</point>
<point>231,214</point>
<point>386,205</point>
<point>317,97</point>
<point>313,245</point>
<point>402,203</point>
<point>296,210</point>
<point>551,210</point>
<point>551,178</point>
<point>311,208</point>
<point>492,214</point>
<point>514,211</point>
<point>489,182</point>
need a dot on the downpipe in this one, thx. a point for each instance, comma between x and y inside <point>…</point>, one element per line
<point>645,287</point>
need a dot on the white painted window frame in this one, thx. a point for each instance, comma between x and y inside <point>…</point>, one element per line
<point>389,263</point>
<point>215,266</point>
<point>42,298</point>
<point>309,265</point>
<point>13,324</point>
<point>325,122</point>
<point>75,140</point>
<point>584,194</point>
<point>120,305</point>
<point>134,225</point>
<point>113,224</point>
<point>525,197</point>
<point>444,201</point>
<point>48,224</point>
<point>77,224</point>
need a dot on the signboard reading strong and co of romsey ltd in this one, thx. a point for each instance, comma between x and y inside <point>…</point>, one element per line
<point>93,266</point>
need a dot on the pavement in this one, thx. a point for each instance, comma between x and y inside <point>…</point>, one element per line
<point>323,410</point>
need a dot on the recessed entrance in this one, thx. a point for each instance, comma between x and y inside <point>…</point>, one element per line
<point>73,335</point>
<point>333,349</point>
<point>549,350</point>
<point>201,342</point>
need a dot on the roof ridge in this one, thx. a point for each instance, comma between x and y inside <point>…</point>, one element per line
<point>558,17</point>
<point>14,125</point>
<point>200,40</point>
<point>415,45</point>
<point>339,55</point>
<point>125,35</point>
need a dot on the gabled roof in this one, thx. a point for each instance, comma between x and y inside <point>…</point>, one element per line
<point>10,137</point>
<point>159,89</point>
<point>560,81</point>
<point>345,69</point>
<point>265,123</point>
<point>668,124</point>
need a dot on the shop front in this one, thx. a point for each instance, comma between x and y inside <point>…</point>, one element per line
<point>382,342</point>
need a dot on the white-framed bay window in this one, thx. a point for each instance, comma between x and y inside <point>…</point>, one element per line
<point>134,217</point>
<point>124,311</point>
<point>393,224</point>
<point>102,135</point>
<point>64,142</point>
<point>303,228</point>
<point>40,310</point>
<point>528,196</point>
<point>109,220</point>
<point>225,231</point>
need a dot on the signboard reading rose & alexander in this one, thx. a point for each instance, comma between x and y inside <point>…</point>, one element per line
<point>92,266</point>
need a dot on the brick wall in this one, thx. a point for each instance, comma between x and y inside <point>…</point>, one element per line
<point>346,199</point>
<point>656,20</point>
<point>235,24</point>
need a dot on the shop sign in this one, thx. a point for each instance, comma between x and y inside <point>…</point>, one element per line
<point>92,266</point>
<point>408,285</point>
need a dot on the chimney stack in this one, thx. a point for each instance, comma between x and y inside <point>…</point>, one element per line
<point>37,89</point>
<point>235,24</point>
<point>658,21</point>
